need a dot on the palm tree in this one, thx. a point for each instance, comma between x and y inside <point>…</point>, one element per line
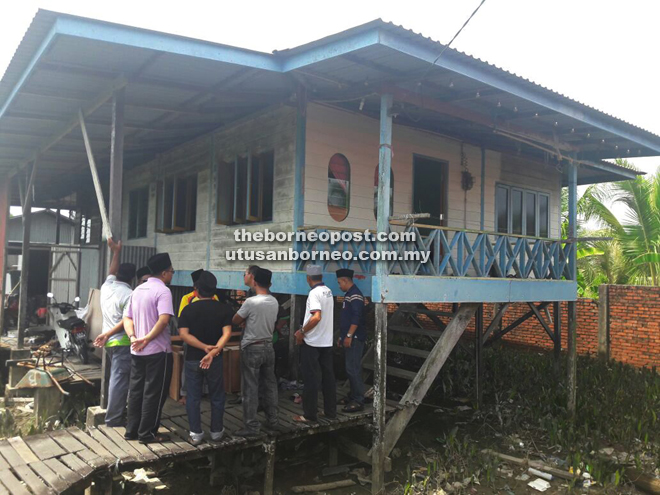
<point>633,256</point>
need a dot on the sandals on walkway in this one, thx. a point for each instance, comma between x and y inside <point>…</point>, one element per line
<point>353,407</point>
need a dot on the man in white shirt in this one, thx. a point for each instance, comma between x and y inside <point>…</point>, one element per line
<point>315,338</point>
<point>115,294</point>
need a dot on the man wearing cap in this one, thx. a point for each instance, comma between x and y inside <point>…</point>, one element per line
<point>352,336</point>
<point>142,275</point>
<point>193,296</point>
<point>115,295</point>
<point>206,327</point>
<point>147,317</point>
<point>315,338</point>
<point>258,356</point>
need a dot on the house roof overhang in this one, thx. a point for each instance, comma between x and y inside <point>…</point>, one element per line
<point>180,88</point>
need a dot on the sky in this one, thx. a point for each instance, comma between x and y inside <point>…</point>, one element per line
<point>599,52</point>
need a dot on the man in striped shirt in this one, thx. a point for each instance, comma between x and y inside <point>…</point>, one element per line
<point>352,336</point>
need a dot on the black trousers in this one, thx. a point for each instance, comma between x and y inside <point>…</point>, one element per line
<point>148,390</point>
<point>317,369</point>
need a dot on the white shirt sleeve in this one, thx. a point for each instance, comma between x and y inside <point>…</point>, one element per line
<point>314,301</point>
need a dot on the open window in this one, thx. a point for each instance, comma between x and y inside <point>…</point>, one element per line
<point>376,192</point>
<point>339,187</point>
<point>138,212</point>
<point>245,189</point>
<point>522,211</point>
<point>177,204</point>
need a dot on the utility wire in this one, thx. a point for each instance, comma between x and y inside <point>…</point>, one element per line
<point>455,36</point>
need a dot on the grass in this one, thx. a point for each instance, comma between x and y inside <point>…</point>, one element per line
<point>524,411</point>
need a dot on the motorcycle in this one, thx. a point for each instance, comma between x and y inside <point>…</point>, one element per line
<point>71,331</point>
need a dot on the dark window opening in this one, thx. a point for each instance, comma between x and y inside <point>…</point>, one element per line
<point>245,189</point>
<point>177,204</point>
<point>138,213</point>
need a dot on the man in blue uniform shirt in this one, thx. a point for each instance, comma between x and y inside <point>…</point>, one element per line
<point>352,336</point>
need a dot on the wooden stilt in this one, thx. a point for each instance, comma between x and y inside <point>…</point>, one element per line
<point>5,200</point>
<point>557,348</point>
<point>115,196</point>
<point>269,476</point>
<point>382,271</point>
<point>295,320</point>
<point>478,356</point>
<point>572,357</point>
<point>25,260</point>
<point>380,390</point>
<point>572,307</point>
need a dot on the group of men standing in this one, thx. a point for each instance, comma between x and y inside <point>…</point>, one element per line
<point>138,346</point>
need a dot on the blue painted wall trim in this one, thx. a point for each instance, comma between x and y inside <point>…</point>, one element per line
<point>283,282</point>
<point>409,289</point>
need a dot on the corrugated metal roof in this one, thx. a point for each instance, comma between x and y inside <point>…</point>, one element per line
<point>180,94</point>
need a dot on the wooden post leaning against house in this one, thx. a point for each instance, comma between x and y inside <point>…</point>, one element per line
<point>427,374</point>
<point>604,322</point>
<point>572,305</point>
<point>380,341</point>
<point>116,196</point>
<point>23,320</point>
<point>5,201</point>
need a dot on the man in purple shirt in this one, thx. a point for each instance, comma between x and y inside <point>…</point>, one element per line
<point>147,318</point>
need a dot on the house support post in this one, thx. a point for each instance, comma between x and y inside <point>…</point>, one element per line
<point>604,322</point>
<point>557,346</point>
<point>478,356</point>
<point>115,210</point>
<point>5,201</point>
<point>380,344</point>
<point>269,475</point>
<point>572,305</point>
<point>295,320</point>
<point>25,258</point>
<point>427,374</point>
<point>298,218</point>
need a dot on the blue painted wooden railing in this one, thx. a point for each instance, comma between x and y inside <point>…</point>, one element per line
<point>457,253</point>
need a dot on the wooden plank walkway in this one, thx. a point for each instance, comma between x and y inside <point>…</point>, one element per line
<point>60,460</point>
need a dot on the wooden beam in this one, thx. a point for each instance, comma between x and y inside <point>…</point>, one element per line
<point>120,82</point>
<point>380,346</point>
<point>495,321</point>
<point>427,375</point>
<point>572,305</point>
<point>451,110</point>
<point>557,346</point>
<point>478,355</point>
<point>95,177</point>
<point>604,322</point>
<point>542,321</point>
<point>5,202</point>
<point>25,261</point>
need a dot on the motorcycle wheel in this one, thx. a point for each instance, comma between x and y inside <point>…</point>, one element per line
<point>82,352</point>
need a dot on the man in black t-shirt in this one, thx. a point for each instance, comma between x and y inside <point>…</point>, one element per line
<point>206,327</point>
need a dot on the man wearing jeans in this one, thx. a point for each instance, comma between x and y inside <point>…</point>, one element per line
<point>315,339</point>
<point>115,295</point>
<point>351,337</point>
<point>206,327</point>
<point>258,356</point>
<point>146,322</point>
